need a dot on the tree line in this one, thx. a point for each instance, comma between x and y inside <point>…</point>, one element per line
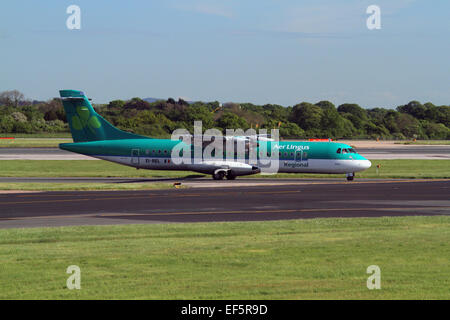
<point>304,120</point>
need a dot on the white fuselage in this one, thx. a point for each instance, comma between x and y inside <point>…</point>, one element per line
<point>207,166</point>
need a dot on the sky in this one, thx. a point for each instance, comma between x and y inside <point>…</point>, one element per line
<point>265,51</point>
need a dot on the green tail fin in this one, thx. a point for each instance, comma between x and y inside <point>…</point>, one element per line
<point>85,124</point>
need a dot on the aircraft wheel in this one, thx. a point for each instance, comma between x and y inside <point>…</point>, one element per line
<point>219,175</point>
<point>350,177</point>
<point>231,176</point>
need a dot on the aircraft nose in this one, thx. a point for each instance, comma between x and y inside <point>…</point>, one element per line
<point>366,164</point>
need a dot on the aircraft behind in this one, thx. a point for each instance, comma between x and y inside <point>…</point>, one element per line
<point>94,136</point>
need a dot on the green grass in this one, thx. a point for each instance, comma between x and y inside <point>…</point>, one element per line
<point>33,142</point>
<point>83,186</point>
<point>38,135</point>
<point>78,168</point>
<point>87,168</point>
<point>424,169</point>
<point>426,142</point>
<point>299,259</point>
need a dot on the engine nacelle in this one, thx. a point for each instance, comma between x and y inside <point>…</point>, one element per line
<point>232,167</point>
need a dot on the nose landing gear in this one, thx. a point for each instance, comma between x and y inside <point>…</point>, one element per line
<point>350,176</point>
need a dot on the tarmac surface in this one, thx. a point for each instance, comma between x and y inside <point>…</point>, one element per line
<point>407,152</point>
<point>194,180</point>
<point>306,198</point>
<point>381,152</point>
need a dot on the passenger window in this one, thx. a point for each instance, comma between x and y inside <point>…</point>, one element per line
<point>338,150</point>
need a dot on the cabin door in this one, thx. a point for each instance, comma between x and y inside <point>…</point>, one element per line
<point>135,157</point>
<point>301,155</point>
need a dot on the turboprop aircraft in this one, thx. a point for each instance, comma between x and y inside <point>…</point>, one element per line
<point>94,136</point>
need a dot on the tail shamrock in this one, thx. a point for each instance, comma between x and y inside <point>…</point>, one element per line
<point>85,124</point>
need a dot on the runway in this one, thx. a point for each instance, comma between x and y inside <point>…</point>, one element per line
<point>319,199</point>
<point>392,152</point>
<point>419,152</point>
<point>194,180</point>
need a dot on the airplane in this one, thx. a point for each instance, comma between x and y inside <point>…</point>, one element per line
<point>94,136</point>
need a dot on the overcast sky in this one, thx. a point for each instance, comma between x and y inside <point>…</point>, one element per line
<point>264,51</point>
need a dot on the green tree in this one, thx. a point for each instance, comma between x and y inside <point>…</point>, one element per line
<point>229,120</point>
<point>137,103</point>
<point>353,109</point>
<point>444,115</point>
<point>436,130</point>
<point>307,116</point>
<point>6,124</point>
<point>50,115</point>
<point>390,121</point>
<point>199,113</point>
<point>413,108</point>
<point>116,104</point>
<point>291,130</point>
<point>332,124</point>
<point>373,131</point>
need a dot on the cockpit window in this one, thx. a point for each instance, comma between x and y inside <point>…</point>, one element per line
<point>345,150</point>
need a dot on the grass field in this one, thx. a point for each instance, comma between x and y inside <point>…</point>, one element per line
<point>86,168</point>
<point>299,259</point>
<point>38,135</point>
<point>33,142</point>
<point>77,168</point>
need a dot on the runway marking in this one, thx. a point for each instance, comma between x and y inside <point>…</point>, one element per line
<point>96,215</point>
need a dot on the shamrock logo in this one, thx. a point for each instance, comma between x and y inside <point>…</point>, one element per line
<point>84,119</point>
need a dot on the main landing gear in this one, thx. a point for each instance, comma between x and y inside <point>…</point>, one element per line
<point>220,174</point>
<point>350,176</point>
